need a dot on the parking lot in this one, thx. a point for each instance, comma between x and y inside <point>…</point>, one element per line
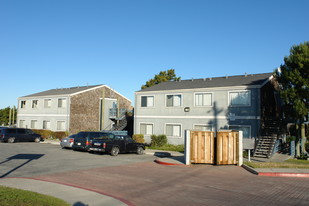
<point>140,181</point>
<point>27,159</point>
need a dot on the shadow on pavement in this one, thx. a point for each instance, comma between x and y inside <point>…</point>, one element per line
<point>28,157</point>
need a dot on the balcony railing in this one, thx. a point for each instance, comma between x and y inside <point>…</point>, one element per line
<point>113,113</point>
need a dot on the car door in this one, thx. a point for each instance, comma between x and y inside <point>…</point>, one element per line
<point>21,135</point>
<point>120,141</point>
<point>130,144</point>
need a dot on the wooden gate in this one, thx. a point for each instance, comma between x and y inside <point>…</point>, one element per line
<point>202,147</point>
<point>227,147</point>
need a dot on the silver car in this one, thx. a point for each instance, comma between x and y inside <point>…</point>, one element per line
<point>67,142</point>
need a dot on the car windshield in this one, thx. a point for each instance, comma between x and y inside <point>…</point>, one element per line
<point>102,136</point>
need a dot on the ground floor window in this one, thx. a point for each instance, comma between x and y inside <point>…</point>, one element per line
<point>61,125</point>
<point>22,123</point>
<point>46,124</point>
<point>201,127</point>
<point>34,124</point>
<point>146,128</point>
<point>244,128</point>
<point>173,130</point>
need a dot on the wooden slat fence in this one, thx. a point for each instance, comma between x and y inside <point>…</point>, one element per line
<point>202,147</point>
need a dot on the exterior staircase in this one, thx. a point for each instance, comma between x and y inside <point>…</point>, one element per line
<point>271,127</point>
<point>265,146</point>
<point>121,125</point>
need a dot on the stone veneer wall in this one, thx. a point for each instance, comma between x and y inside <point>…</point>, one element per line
<point>85,109</point>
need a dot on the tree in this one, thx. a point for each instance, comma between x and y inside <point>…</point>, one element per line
<point>163,76</point>
<point>5,116</point>
<point>293,79</point>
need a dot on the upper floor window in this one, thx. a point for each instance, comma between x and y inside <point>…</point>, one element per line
<point>147,101</point>
<point>47,103</point>
<point>35,103</point>
<point>203,99</point>
<point>244,128</point>
<point>22,104</point>
<point>62,102</point>
<point>240,98</point>
<point>173,100</point>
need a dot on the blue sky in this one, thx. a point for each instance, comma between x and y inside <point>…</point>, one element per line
<point>47,44</point>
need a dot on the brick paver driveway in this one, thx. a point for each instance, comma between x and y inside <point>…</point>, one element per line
<point>148,183</point>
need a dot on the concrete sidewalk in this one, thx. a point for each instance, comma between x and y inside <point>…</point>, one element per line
<point>72,195</point>
<point>178,159</point>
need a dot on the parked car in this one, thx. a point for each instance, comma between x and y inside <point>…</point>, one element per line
<point>116,144</point>
<point>83,140</point>
<point>67,142</point>
<point>12,135</point>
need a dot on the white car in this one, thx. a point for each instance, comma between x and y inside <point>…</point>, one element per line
<point>67,142</point>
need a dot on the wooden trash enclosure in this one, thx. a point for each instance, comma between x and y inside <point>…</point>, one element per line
<point>227,147</point>
<point>202,147</point>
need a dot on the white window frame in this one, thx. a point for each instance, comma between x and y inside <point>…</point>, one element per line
<point>64,125</point>
<point>147,105</point>
<point>177,94</point>
<point>62,105</point>
<point>23,104</point>
<point>47,126</point>
<point>249,126</point>
<point>45,103</point>
<point>146,123</point>
<point>239,105</point>
<point>35,126</point>
<point>204,125</point>
<point>34,105</point>
<point>22,123</point>
<point>212,99</point>
<point>174,124</point>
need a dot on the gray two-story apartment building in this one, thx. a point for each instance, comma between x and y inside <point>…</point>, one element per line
<point>210,104</point>
<point>71,109</point>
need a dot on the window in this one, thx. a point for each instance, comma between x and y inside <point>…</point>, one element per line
<point>173,130</point>
<point>22,123</point>
<point>203,127</point>
<point>173,100</point>
<point>34,124</point>
<point>61,125</point>
<point>203,99</point>
<point>47,103</point>
<point>147,101</point>
<point>62,103</point>
<point>240,98</point>
<point>22,104</point>
<point>245,129</point>
<point>146,129</point>
<point>34,103</point>
<point>46,124</point>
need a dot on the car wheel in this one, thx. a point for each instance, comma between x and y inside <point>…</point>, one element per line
<point>11,140</point>
<point>37,140</point>
<point>140,150</point>
<point>115,151</point>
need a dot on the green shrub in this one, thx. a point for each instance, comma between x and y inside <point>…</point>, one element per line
<point>290,138</point>
<point>158,141</point>
<point>44,133</point>
<point>60,135</point>
<point>139,138</point>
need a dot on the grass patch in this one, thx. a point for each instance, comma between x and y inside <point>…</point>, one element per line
<point>17,197</point>
<point>291,163</point>
<point>169,147</point>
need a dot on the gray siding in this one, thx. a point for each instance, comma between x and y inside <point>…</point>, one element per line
<point>217,115</point>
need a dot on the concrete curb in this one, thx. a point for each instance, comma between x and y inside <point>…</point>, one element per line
<point>275,174</point>
<point>167,163</point>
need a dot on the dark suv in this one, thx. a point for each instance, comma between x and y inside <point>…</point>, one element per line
<point>83,140</point>
<point>12,135</point>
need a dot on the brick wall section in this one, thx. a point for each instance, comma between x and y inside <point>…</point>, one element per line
<point>85,108</point>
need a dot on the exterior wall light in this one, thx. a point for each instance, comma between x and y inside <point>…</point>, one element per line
<point>187,109</point>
